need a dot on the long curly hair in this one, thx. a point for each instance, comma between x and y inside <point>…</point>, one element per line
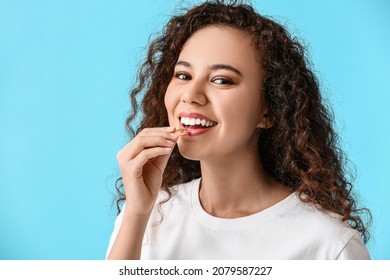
<point>300,150</point>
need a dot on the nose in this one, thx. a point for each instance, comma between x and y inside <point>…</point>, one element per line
<point>194,93</point>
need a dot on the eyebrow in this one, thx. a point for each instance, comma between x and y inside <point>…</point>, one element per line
<point>213,67</point>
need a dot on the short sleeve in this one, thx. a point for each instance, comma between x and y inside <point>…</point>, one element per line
<point>354,250</point>
<point>117,226</point>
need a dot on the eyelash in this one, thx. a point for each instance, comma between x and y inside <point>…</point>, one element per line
<point>178,74</point>
<point>185,77</point>
<point>224,80</point>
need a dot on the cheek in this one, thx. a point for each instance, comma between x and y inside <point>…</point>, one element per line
<point>242,112</point>
<point>167,98</point>
<point>169,102</point>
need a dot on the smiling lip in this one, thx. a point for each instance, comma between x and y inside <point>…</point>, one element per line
<point>194,115</point>
<point>199,130</point>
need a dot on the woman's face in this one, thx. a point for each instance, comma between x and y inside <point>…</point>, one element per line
<point>217,89</point>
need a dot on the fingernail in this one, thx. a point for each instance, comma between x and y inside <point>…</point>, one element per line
<point>173,136</point>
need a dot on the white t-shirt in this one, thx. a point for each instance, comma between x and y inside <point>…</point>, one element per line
<point>289,229</point>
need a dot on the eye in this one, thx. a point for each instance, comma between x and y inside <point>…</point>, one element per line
<point>182,76</point>
<point>221,80</point>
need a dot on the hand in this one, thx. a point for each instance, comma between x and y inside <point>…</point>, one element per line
<point>142,163</point>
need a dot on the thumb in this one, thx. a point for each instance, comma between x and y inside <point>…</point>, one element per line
<point>160,162</point>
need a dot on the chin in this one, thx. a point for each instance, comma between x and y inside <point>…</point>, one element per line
<point>189,154</point>
<point>192,153</point>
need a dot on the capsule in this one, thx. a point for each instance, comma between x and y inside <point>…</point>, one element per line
<point>180,131</point>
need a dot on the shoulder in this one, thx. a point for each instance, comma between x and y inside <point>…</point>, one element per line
<point>325,231</point>
<point>324,223</point>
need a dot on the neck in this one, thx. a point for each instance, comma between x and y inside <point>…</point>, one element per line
<point>238,186</point>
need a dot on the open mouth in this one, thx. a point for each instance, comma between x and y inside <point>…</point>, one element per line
<point>195,123</point>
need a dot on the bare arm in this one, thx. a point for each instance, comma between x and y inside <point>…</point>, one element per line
<point>142,163</point>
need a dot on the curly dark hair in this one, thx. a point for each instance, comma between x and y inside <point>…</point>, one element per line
<point>301,149</point>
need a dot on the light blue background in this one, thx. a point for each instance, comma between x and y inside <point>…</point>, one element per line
<point>65,71</point>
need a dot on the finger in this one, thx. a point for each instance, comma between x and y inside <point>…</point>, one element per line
<point>166,132</point>
<point>159,155</point>
<point>145,141</point>
<point>141,143</point>
<point>154,129</point>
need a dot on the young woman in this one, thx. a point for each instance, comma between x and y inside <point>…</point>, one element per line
<point>257,174</point>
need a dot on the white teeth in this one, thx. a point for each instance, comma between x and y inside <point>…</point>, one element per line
<point>194,121</point>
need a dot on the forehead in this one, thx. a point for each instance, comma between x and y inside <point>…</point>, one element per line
<point>221,44</point>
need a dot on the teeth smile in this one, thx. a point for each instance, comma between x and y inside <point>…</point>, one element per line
<point>196,121</point>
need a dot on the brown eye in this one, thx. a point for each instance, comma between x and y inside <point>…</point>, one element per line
<point>183,76</point>
<point>222,81</point>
